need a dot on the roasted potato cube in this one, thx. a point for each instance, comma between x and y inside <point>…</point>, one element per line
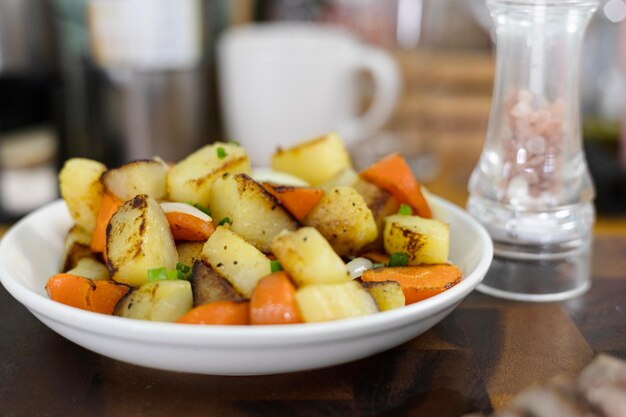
<point>76,247</point>
<point>192,178</point>
<point>255,214</point>
<point>426,241</point>
<point>381,204</point>
<point>344,219</point>
<point>316,161</point>
<point>347,177</point>
<point>139,239</point>
<point>137,177</point>
<point>238,261</point>
<point>388,294</point>
<point>189,252</point>
<point>208,286</point>
<point>309,258</point>
<point>323,302</point>
<point>90,268</point>
<point>79,181</point>
<point>157,301</point>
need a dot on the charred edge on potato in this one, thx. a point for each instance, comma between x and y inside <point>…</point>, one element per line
<point>199,182</point>
<point>415,241</point>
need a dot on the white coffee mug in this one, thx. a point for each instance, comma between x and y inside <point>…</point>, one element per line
<point>282,83</point>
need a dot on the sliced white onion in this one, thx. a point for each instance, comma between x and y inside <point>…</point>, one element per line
<point>277,177</point>
<point>170,207</point>
<point>357,266</point>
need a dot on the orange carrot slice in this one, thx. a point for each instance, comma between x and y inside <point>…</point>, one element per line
<point>417,282</point>
<point>273,301</point>
<point>188,227</point>
<point>84,293</point>
<point>394,175</point>
<point>299,201</point>
<point>108,207</point>
<point>188,222</point>
<point>218,312</point>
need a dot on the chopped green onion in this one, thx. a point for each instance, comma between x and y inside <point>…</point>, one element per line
<point>171,274</point>
<point>225,220</point>
<point>163,274</point>
<point>398,259</point>
<point>155,274</point>
<point>378,265</point>
<point>184,271</point>
<point>202,208</point>
<point>221,153</point>
<point>276,266</point>
<point>405,210</point>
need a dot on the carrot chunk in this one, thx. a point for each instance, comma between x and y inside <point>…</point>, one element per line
<point>299,201</point>
<point>97,296</point>
<point>218,312</point>
<point>418,282</point>
<point>189,227</point>
<point>394,175</point>
<point>273,301</point>
<point>108,207</point>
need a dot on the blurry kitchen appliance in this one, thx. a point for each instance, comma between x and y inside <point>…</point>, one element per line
<point>28,87</point>
<point>143,87</point>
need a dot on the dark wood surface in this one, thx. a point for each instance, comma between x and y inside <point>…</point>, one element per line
<point>475,360</point>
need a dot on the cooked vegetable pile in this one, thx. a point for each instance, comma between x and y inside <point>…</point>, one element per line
<point>203,242</point>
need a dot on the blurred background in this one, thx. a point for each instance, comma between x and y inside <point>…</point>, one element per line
<point>116,80</point>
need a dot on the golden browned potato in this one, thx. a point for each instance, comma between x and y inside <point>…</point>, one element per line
<point>254,214</point>
<point>191,179</point>
<point>316,161</point>
<point>189,252</point>
<point>324,302</point>
<point>139,239</point>
<point>426,241</point>
<point>157,301</point>
<point>238,261</point>
<point>381,204</point>
<point>309,258</point>
<point>344,219</point>
<point>137,177</point>
<point>90,268</point>
<point>209,286</point>
<point>79,181</point>
<point>77,246</point>
<point>388,294</point>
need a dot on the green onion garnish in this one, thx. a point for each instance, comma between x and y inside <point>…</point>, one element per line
<point>161,274</point>
<point>405,210</point>
<point>155,274</point>
<point>378,265</point>
<point>225,220</point>
<point>203,209</point>
<point>184,271</point>
<point>276,266</point>
<point>183,268</point>
<point>221,153</point>
<point>398,259</point>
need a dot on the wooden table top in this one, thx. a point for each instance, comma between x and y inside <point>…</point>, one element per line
<point>475,360</point>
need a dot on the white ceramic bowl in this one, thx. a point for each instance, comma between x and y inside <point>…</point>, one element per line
<point>31,252</point>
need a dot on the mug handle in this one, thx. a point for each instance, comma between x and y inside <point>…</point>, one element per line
<point>387,84</point>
